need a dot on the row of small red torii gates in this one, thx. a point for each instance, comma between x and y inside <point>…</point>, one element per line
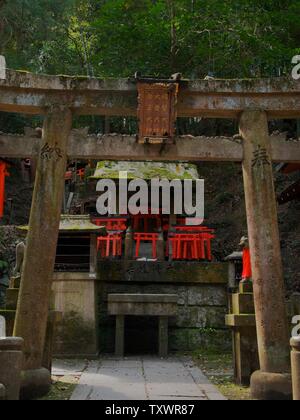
<point>253,103</point>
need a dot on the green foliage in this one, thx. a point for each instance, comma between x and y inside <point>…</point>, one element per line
<point>103,38</point>
<point>3,281</point>
<point>3,266</point>
<point>34,33</point>
<point>229,38</point>
<point>242,38</point>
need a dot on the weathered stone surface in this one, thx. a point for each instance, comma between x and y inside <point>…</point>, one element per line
<point>142,309</point>
<point>122,147</point>
<point>75,298</point>
<point>142,304</point>
<point>54,319</point>
<point>293,305</point>
<point>144,378</point>
<point>190,339</point>
<point>211,317</point>
<point>35,383</point>
<point>240,320</point>
<point>33,304</point>
<point>268,386</point>
<point>180,291</point>
<point>268,284</point>
<point>244,338</point>
<point>164,272</point>
<point>207,296</point>
<point>75,337</point>
<point>243,303</point>
<point>200,317</point>
<point>142,298</point>
<point>11,299</point>
<point>201,307</point>
<point>10,366</point>
<point>28,93</point>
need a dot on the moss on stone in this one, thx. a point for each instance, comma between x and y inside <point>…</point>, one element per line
<point>75,335</point>
<point>164,272</point>
<point>146,170</point>
<point>191,339</point>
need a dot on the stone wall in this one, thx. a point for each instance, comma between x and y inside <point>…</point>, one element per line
<point>202,305</point>
<point>87,328</point>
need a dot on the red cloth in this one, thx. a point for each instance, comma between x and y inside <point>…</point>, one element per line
<point>247,271</point>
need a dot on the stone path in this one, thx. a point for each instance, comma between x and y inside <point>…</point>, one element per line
<point>144,378</point>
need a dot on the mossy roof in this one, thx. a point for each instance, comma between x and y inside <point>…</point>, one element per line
<point>70,223</point>
<point>145,170</point>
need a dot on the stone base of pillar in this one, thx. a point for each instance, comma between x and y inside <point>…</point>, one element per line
<point>2,392</point>
<point>11,357</point>
<point>35,383</point>
<point>241,320</point>
<point>268,386</point>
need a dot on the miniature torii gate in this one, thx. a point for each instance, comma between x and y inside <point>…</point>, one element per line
<point>252,102</point>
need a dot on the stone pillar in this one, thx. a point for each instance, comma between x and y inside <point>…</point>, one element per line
<point>37,274</point>
<point>273,380</point>
<point>10,366</point>
<point>163,340</point>
<point>120,335</point>
<point>295,356</point>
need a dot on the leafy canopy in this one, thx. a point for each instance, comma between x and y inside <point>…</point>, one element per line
<point>231,38</point>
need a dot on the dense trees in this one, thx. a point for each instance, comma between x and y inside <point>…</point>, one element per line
<point>231,38</point>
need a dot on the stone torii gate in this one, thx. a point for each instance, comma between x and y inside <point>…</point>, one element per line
<point>252,102</point>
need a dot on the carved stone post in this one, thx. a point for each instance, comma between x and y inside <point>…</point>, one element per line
<point>33,303</point>
<point>273,380</point>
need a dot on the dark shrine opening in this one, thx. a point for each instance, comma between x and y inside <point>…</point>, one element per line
<point>141,335</point>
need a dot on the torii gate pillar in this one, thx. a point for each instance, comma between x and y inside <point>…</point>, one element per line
<point>39,260</point>
<point>273,381</point>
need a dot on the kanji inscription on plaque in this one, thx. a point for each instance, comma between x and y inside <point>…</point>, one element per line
<point>157,112</point>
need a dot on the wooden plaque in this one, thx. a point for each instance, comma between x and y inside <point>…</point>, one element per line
<point>157,112</point>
